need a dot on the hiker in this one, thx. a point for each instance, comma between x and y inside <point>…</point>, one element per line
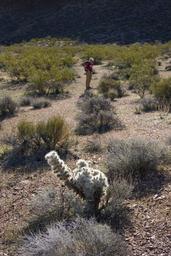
<point>88,67</point>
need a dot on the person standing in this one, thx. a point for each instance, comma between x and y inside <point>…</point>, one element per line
<point>88,67</point>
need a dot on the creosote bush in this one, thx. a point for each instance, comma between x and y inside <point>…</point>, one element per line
<point>7,107</point>
<point>162,91</point>
<point>79,237</point>
<point>111,88</point>
<point>133,159</point>
<point>142,76</point>
<point>97,115</point>
<point>46,69</point>
<point>53,134</point>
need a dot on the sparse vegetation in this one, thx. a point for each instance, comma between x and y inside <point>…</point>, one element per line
<point>107,184</point>
<point>97,115</point>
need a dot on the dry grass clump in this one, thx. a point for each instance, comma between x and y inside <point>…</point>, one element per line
<point>26,101</point>
<point>53,134</point>
<point>80,237</point>
<point>40,103</point>
<point>7,107</point>
<point>97,115</point>
<point>93,145</point>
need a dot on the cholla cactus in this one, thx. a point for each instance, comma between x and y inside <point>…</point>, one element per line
<point>89,183</point>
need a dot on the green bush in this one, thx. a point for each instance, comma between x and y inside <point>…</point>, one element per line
<point>53,134</point>
<point>162,91</point>
<point>142,76</point>
<point>96,115</point>
<point>47,69</point>
<point>133,159</point>
<point>110,88</point>
<point>7,107</point>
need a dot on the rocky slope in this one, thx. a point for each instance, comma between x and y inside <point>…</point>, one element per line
<point>104,21</point>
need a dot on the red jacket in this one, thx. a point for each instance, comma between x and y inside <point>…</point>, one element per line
<point>88,66</point>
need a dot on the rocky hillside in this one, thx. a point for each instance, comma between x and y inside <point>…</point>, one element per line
<point>104,21</point>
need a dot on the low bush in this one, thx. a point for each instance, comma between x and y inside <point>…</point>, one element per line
<point>133,159</point>
<point>148,104</point>
<point>162,91</point>
<point>96,115</point>
<point>40,103</point>
<point>55,204</point>
<point>111,88</point>
<point>80,237</point>
<point>7,107</point>
<point>26,101</point>
<point>115,212</point>
<point>93,145</point>
<point>53,134</point>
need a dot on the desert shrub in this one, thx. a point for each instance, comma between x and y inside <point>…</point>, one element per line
<point>4,150</point>
<point>96,115</point>
<point>142,76</point>
<point>148,104</point>
<point>93,145</point>
<point>162,91</point>
<point>80,237</point>
<point>133,159</point>
<point>115,212</point>
<point>110,88</point>
<point>46,69</point>
<point>53,134</point>
<point>40,103</point>
<point>7,107</point>
<point>26,101</point>
<point>55,204</point>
